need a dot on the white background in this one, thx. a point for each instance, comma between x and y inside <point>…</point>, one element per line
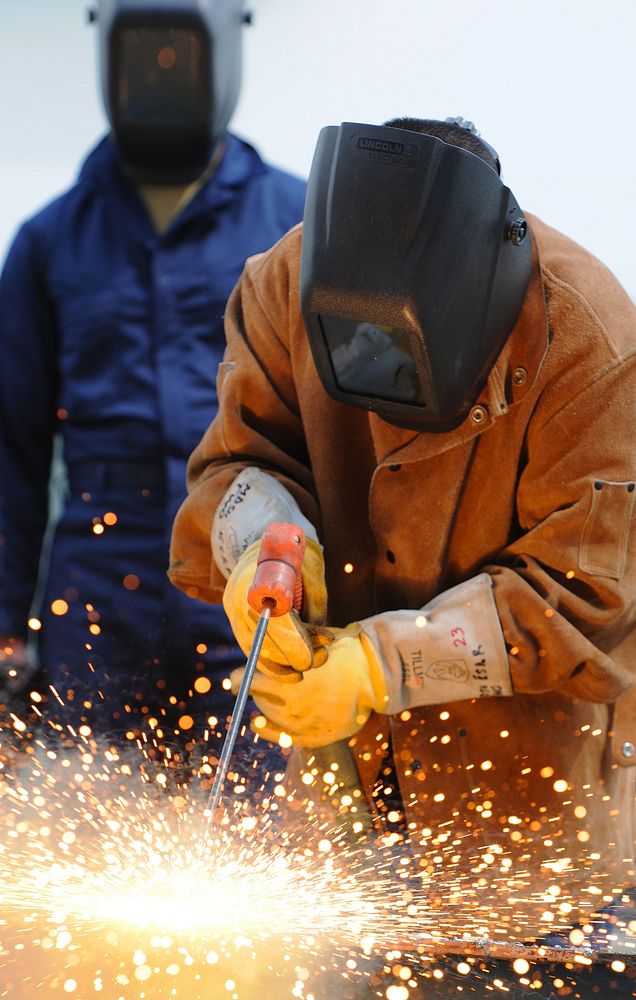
<point>550,83</point>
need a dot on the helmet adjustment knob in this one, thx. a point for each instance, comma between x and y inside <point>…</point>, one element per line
<point>517,231</point>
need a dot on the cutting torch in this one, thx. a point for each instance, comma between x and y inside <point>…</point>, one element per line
<point>276,589</point>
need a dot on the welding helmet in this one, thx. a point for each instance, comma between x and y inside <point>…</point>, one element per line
<point>170,74</point>
<point>415,264</point>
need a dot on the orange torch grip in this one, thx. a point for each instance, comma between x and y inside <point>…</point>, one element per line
<point>277,581</point>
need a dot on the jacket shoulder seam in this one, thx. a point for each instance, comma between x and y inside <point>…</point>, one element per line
<point>597,376</point>
<point>554,279</point>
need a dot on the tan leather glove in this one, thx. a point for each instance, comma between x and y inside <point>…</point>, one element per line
<point>452,649</point>
<point>290,645</point>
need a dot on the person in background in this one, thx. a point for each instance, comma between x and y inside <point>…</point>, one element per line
<point>439,389</point>
<point>111,330</point>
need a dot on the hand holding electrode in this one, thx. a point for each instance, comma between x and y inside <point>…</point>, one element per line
<point>290,644</point>
<point>452,649</point>
<point>275,590</point>
<point>329,704</point>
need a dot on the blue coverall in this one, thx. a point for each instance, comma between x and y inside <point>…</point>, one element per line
<point>110,336</point>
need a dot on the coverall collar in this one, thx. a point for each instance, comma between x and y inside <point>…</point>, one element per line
<point>239,164</point>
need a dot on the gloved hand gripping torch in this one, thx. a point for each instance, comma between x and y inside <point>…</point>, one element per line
<point>276,589</point>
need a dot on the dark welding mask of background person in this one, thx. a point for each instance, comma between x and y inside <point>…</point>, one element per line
<point>171,75</point>
<point>415,265</point>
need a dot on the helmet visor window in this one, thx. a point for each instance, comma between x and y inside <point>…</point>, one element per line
<point>371,360</point>
<point>160,75</point>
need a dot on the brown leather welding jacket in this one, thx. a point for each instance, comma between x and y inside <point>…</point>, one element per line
<point>535,487</point>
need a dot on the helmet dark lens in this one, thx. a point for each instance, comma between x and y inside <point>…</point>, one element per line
<point>371,360</point>
<point>161,76</point>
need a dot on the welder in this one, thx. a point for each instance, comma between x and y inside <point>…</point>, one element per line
<point>111,329</point>
<point>439,388</point>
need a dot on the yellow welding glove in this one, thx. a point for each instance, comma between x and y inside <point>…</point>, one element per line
<point>328,704</point>
<point>290,645</point>
<point>452,649</point>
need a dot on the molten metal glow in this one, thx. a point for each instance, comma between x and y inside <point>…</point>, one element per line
<point>116,884</point>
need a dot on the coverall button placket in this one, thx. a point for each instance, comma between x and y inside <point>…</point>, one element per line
<point>171,398</point>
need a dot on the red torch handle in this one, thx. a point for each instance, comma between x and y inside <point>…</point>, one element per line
<point>277,581</point>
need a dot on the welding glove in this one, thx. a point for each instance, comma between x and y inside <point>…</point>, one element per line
<point>289,645</point>
<point>452,649</point>
<point>253,501</point>
<point>328,704</point>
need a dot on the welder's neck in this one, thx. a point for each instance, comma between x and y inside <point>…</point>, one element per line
<point>164,202</point>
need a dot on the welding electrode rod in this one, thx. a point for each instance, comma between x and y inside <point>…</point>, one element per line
<point>276,589</point>
<point>239,706</point>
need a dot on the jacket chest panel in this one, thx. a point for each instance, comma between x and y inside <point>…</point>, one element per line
<point>435,521</point>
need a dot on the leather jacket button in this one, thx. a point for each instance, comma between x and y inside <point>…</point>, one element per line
<point>478,414</point>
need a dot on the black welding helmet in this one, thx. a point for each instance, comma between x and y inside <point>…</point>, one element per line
<point>171,75</point>
<point>415,264</point>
